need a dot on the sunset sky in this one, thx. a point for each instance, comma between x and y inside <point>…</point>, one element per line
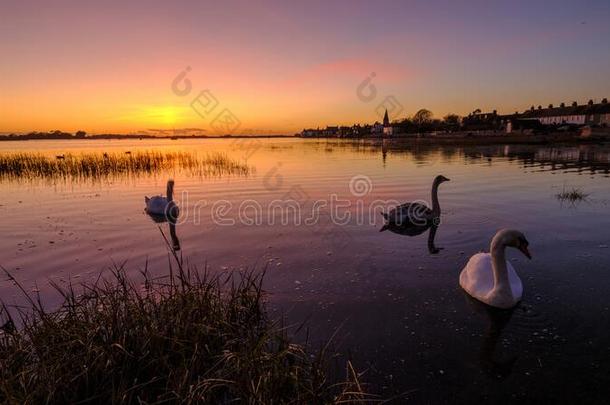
<point>283,65</point>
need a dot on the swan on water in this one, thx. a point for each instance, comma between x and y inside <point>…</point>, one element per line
<point>415,213</point>
<point>489,278</point>
<point>159,205</point>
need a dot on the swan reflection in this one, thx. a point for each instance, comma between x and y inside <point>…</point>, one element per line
<point>163,209</point>
<point>171,222</point>
<point>492,363</point>
<point>414,230</point>
<point>417,213</point>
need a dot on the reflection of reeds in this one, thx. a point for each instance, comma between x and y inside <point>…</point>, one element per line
<point>99,166</point>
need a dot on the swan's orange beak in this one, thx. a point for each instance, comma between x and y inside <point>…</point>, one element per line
<point>525,251</point>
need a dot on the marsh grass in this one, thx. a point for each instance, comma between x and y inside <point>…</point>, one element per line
<point>98,166</point>
<point>186,338</point>
<point>572,195</point>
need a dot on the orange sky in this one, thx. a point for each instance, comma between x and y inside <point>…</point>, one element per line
<point>280,67</point>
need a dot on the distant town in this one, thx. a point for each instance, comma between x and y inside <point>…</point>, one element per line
<point>583,120</point>
<point>575,118</point>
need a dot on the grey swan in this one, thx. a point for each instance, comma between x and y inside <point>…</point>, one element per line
<point>416,213</point>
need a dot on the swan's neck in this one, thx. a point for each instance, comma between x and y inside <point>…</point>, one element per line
<point>436,208</point>
<point>170,192</point>
<point>500,271</point>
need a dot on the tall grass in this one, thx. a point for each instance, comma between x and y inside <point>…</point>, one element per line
<point>186,338</point>
<point>98,166</point>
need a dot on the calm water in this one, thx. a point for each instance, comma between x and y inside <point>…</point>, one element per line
<point>401,313</point>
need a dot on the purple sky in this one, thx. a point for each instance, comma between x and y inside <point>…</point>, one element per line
<point>281,66</point>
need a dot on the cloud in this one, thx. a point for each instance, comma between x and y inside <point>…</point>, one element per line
<point>174,131</point>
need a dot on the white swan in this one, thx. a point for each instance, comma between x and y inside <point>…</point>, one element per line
<point>159,205</point>
<point>415,213</point>
<point>489,278</point>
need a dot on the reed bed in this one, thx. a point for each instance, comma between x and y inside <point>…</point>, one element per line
<point>187,338</point>
<point>572,195</point>
<point>97,166</point>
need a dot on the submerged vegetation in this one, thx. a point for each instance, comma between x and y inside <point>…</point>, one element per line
<point>186,338</point>
<point>572,195</point>
<point>16,166</point>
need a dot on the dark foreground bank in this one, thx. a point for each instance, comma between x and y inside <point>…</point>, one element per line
<point>186,338</point>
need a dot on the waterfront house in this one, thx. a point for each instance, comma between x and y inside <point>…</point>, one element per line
<point>377,128</point>
<point>479,121</point>
<point>311,133</point>
<point>574,114</point>
<point>331,131</point>
<point>599,114</point>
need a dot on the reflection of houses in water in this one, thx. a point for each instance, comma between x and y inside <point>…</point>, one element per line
<point>573,154</point>
<point>586,158</point>
<point>578,159</point>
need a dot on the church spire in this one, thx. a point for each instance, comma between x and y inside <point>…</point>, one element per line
<point>386,119</point>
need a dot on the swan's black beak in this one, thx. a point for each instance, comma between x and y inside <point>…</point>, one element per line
<point>525,251</point>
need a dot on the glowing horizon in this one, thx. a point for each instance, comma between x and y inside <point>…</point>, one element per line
<point>280,67</point>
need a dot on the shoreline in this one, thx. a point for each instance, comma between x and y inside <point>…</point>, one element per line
<point>427,139</point>
<point>21,138</point>
<point>451,139</point>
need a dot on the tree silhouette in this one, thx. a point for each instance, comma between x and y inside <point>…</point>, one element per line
<point>451,119</point>
<point>423,116</point>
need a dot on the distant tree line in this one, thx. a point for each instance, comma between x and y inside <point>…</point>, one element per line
<point>57,134</point>
<point>424,121</point>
